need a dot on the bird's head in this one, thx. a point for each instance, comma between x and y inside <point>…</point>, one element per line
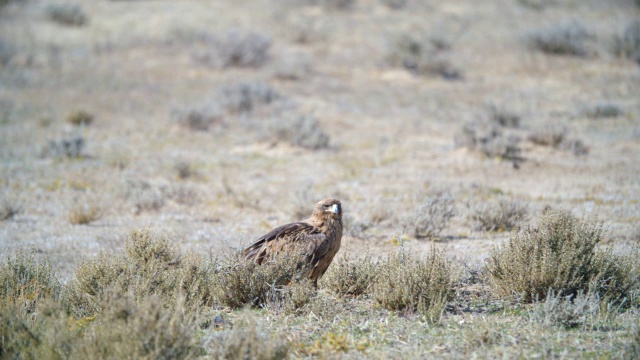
<point>328,207</point>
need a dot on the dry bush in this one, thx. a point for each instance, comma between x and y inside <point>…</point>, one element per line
<point>503,116</point>
<point>297,130</point>
<point>71,147</point>
<point>548,135</point>
<point>394,4</point>
<point>250,342</point>
<point>422,286</point>
<point>150,266</point>
<point>291,67</point>
<point>565,38</point>
<point>603,110</point>
<point>628,44</point>
<point>7,52</point>
<point>244,97</point>
<point>9,208</point>
<point>432,215</point>
<point>349,276</point>
<point>423,54</point>
<point>566,311</point>
<point>199,118</point>
<point>559,255</point>
<point>498,216</point>
<point>127,328</point>
<point>632,350</point>
<point>490,139</point>
<point>237,48</point>
<point>239,282</point>
<point>144,196</point>
<point>184,169</point>
<point>85,212</point>
<point>66,14</point>
<point>80,117</point>
<point>25,281</point>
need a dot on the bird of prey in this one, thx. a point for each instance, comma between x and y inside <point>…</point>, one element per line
<point>317,239</point>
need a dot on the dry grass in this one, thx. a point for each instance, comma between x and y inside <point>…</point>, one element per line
<point>560,255</point>
<point>297,130</point>
<point>236,48</point>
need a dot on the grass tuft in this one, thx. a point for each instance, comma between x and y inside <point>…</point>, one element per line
<point>298,130</point>
<point>83,213</point>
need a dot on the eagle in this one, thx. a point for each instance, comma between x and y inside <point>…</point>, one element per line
<point>316,239</point>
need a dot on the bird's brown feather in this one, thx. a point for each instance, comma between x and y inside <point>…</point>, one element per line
<point>317,239</point>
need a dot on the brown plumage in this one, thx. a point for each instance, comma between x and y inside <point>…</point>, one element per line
<point>317,239</point>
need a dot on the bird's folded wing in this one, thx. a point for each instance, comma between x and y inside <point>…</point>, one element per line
<point>289,238</point>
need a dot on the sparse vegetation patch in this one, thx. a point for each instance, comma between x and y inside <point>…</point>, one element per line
<point>564,38</point>
<point>67,14</point>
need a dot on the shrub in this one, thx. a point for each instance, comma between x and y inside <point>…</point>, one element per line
<point>628,44</point>
<point>394,4</point>
<point>9,208</point>
<point>548,136</point>
<point>567,311</point>
<point>503,117</point>
<point>25,281</point>
<point>250,342</point>
<point>298,130</point>
<point>80,117</point>
<point>71,147</point>
<point>603,110</point>
<point>349,276</point>
<point>501,215</point>
<point>422,286</point>
<point>244,97</point>
<point>82,213</point>
<point>488,138</point>
<point>67,14</point>
<point>238,48</point>
<point>432,215</point>
<point>558,255</point>
<point>423,54</point>
<point>144,196</point>
<point>151,265</point>
<point>199,118</point>
<point>565,38</point>
<point>128,328</point>
<point>239,282</point>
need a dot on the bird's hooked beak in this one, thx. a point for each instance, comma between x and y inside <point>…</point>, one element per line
<point>334,209</point>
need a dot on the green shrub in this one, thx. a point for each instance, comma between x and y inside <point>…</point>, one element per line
<point>422,286</point>
<point>559,255</point>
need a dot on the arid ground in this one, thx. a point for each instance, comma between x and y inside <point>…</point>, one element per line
<point>213,121</point>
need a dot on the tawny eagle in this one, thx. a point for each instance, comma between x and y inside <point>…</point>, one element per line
<point>317,239</point>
